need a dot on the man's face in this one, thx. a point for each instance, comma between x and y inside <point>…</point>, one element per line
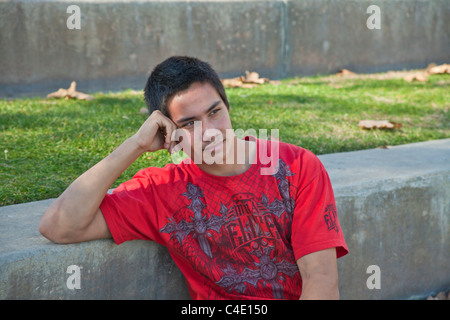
<point>202,115</point>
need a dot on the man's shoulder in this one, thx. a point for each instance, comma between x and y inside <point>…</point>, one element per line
<point>300,161</point>
<point>169,172</point>
<point>292,152</point>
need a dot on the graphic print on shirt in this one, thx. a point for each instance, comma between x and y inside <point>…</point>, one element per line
<point>249,230</point>
<point>331,217</point>
<point>200,225</point>
<point>283,186</point>
<point>267,270</point>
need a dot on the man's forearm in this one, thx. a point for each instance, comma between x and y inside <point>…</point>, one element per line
<point>76,206</point>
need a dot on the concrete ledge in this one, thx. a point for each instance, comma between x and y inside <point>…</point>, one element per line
<point>120,41</point>
<point>31,267</point>
<point>394,208</point>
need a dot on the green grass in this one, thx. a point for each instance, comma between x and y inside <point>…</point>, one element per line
<point>51,142</point>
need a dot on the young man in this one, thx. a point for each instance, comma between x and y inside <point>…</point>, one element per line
<point>235,230</point>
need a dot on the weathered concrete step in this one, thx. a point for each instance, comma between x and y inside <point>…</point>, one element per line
<point>393,204</point>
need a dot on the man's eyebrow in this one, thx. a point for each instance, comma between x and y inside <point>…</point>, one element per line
<point>215,104</point>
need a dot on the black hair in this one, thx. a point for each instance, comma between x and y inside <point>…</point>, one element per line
<point>176,74</point>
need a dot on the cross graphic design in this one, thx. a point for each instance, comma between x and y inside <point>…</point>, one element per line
<point>283,186</point>
<point>268,271</point>
<point>200,225</point>
<point>276,207</point>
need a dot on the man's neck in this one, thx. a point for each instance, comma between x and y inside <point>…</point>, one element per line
<point>236,167</point>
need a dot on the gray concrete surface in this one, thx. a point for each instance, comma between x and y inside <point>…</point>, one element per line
<point>119,42</point>
<point>31,267</point>
<point>394,209</point>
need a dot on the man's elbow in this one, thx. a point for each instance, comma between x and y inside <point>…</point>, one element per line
<point>45,230</point>
<point>49,228</point>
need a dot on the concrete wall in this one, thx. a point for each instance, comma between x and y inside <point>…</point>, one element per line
<point>394,209</point>
<point>121,41</point>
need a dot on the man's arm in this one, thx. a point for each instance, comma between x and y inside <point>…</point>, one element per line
<point>319,275</point>
<point>75,216</point>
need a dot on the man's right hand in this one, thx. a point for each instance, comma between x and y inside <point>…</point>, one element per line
<point>156,133</point>
<point>76,216</point>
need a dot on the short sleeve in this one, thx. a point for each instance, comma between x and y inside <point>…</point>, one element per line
<point>131,211</point>
<point>315,224</point>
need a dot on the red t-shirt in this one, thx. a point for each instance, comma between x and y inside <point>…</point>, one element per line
<point>233,237</point>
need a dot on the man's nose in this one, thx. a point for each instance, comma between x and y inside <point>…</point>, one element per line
<point>207,130</point>
<point>210,133</point>
<point>206,125</point>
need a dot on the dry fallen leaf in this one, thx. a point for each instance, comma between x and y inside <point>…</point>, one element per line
<point>379,124</point>
<point>70,93</point>
<point>237,83</point>
<point>422,77</point>
<point>345,72</point>
<point>431,65</point>
<point>431,69</point>
<point>250,80</point>
<point>444,68</point>
<point>253,77</point>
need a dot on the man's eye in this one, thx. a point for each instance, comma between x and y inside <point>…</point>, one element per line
<point>214,112</point>
<point>188,124</point>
